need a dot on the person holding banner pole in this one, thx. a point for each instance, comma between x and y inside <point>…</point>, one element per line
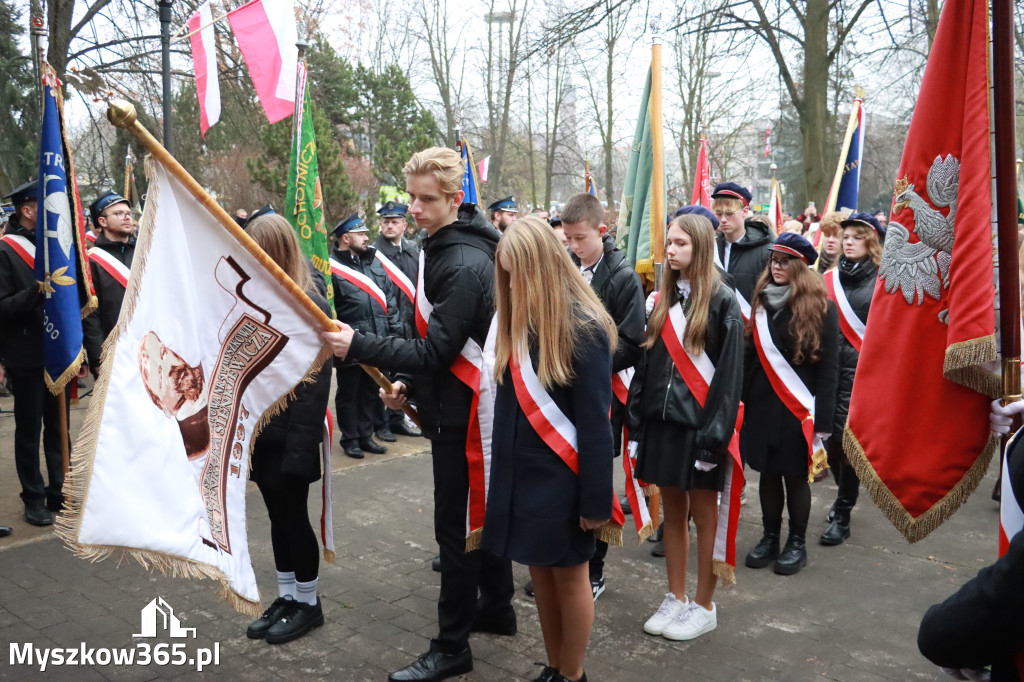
<point>551,493</point>
<point>789,390</point>
<point>683,405</point>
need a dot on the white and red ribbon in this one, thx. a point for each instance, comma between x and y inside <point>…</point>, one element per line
<point>204,63</point>
<point>362,281</point>
<point>326,512</point>
<point>853,328</point>
<point>111,265</point>
<point>397,276</point>
<point>621,381</point>
<point>266,33</point>
<point>744,303</point>
<point>23,247</point>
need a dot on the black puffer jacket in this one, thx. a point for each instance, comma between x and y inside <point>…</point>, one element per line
<point>858,282</point>
<point>458,280</point>
<point>619,288</point>
<point>407,258</point>
<point>748,257</point>
<point>21,308</point>
<point>357,308</point>
<point>659,392</point>
<point>109,293</point>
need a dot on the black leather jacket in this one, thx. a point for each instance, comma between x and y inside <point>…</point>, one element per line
<point>748,257</point>
<point>858,282</point>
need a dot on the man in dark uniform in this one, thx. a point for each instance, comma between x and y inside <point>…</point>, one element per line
<point>115,244</point>
<point>21,349</point>
<point>399,257</point>
<point>503,213</point>
<point>365,298</point>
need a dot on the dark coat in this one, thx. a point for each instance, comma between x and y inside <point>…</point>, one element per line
<point>658,391</point>
<point>289,444</point>
<point>771,440</point>
<point>858,282</point>
<point>981,624</point>
<point>407,258</point>
<point>748,257</point>
<point>534,502</point>
<point>109,294</point>
<point>619,288</point>
<point>357,308</point>
<point>21,308</point>
<point>459,280</point>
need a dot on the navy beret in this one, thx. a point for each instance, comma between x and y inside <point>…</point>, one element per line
<point>794,245</point>
<point>865,220</point>
<point>697,209</point>
<point>730,190</point>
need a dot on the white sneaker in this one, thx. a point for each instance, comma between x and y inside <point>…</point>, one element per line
<point>668,611</point>
<point>692,623</point>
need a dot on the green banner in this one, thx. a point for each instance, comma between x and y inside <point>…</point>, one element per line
<point>304,199</point>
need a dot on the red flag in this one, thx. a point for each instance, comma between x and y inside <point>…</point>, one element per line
<point>266,35</point>
<point>775,206</point>
<point>702,178</point>
<point>204,58</point>
<point>918,432</point>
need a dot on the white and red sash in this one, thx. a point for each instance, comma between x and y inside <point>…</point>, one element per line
<point>397,276</point>
<point>557,432</point>
<point>791,390</point>
<point>360,280</point>
<point>474,367</point>
<point>853,328</point>
<point>23,247</point>
<point>634,488</point>
<point>744,303</point>
<point>698,372</point>
<point>91,236</point>
<point>326,513</point>
<point>111,265</point>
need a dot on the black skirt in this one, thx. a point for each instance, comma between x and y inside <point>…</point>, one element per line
<point>666,454</point>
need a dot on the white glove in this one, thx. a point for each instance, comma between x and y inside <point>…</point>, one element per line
<point>631,449</point>
<point>649,303</point>
<point>704,466</point>
<point>1000,419</point>
<point>967,674</point>
<point>823,436</point>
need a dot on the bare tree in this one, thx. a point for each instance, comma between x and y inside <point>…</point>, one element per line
<point>502,58</point>
<point>444,45</point>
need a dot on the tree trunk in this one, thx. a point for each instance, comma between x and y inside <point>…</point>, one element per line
<point>609,170</point>
<point>814,109</point>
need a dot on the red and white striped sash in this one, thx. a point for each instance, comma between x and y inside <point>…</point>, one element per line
<point>634,488</point>
<point>698,372</point>
<point>744,303</point>
<point>474,367</point>
<point>326,513</point>
<point>791,390</point>
<point>111,265</point>
<point>397,276</point>
<point>91,236</point>
<point>360,280</point>
<point>557,431</point>
<point>23,247</point>
<point>853,328</point>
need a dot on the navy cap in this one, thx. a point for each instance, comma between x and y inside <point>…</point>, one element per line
<point>697,209</point>
<point>865,220</point>
<point>730,190</point>
<point>555,220</point>
<point>353,223</point>
<point>392,209</point>
<point>106,200</point>
<point>794,245</point>
<point>507,204</point>
<point>24,193</point>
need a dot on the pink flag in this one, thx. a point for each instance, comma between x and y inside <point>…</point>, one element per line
<point>482,168</point>
<point>768,140</point>
<point>266,35</point>
<point>702,178</point>
<point>204,58</point>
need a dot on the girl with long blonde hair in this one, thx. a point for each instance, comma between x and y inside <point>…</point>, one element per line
<point>551,459</point>
<point>682,422</point>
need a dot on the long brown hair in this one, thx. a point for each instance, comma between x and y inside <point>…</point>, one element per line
<point>704,282</point>
<point>276,236</point>
<point>871,241</point>
<point>543,297</point>
<point>809,303</point>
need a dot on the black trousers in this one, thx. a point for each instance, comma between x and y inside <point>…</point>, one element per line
<point>35,408</point>
<point>355,402</point>
<point>291,535</point>
<point>464,576</point>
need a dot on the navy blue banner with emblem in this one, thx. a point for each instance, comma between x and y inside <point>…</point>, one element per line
<point>846,183</point>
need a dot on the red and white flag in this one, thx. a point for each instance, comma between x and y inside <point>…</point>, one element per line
<point>768,140</point>
<point>483,167</point>
<point>775,206</point>
<point>204,64</point>
<point>918,432</point>
<point>266,35</point>
<point>702,178</point>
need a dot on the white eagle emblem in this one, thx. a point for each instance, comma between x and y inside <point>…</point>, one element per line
<point>921,268</point>
<point>57,204</point>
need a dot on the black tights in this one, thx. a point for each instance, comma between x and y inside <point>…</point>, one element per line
<point>796,496</point>
<point>295,544</point>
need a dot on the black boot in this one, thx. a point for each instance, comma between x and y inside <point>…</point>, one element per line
<point>767,549</point>
<point>839,525</point>
<point>838,531</point>
<point>794,554</point>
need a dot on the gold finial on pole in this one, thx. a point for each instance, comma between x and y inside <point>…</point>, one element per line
<point>121,113</point>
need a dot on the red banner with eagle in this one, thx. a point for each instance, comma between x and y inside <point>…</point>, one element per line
<point>918,431</point>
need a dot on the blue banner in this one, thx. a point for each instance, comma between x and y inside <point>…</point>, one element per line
<point>849,184</point>
<point>468,178</point>
<point>56,263</point>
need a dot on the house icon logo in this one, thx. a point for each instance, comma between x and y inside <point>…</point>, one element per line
<point>158,616</point>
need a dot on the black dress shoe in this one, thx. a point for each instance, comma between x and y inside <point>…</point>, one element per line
<point>5,531</point>
<point>549,674</point>
<point>837,532</point>
<point>38,515</point>
<point>497,623</point>
<point>435,563</point>
<point>372,446</point>
<point>297,619</point>
<point>386,435</point>
<point>403,430</point>
<point>258,628</point>
<point>435,666</point>
<point>355,452</point>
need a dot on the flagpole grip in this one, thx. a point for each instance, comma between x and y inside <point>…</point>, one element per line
<point>385,384</point>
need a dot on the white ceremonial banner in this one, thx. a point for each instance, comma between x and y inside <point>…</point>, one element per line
<point>207,348</point>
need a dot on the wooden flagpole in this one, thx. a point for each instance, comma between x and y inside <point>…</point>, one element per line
<point>658,150</point>
<point>122,115</point>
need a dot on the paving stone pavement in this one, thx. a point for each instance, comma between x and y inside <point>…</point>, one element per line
<point>852,614</point>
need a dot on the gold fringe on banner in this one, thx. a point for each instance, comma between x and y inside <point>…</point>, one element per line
<point>725,572</point>
<point>963,364</point>
<point>473,539</point>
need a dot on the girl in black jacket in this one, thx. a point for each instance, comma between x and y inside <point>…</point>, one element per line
<point>794,323</point>
<point>285,460</point>
<point>683,425</point>
<point>551,459</point>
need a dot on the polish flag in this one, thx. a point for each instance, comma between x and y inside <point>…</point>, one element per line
<point>266,35</point>
<point>482,168</point>
<point>768,140</point>
<point>204,62</point>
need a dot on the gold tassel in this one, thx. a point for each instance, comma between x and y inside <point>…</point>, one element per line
<point>328,556</point>
<point>645,532</point>
<point>725,572</point>
<point>610,533</point>
<point>651,489</point>
<point>473,539</point>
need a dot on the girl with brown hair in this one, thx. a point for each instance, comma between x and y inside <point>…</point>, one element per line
<point>551,460</point>
<point>789,392</point>
<point>683,402</point>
